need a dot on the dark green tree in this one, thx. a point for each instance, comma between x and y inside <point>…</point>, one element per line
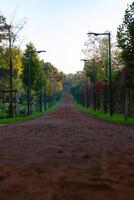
<point>125,36</point>
<point>2,27</point>
<point>31,55</point>
<point>52,75</point>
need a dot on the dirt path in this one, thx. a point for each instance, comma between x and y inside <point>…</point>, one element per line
<point>66,155</point>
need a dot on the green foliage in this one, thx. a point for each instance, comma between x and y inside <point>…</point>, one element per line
<point>125,36</point>
<point>97,66</point>
<point>101,115</point>
<point>16,63</point>
<point>76,79</point>
<point>2,27</point>
<point>42,74</point>
<point>10,55</point>
<point>53,77</point>
<point>3,58</point>
<point>25,118</point>
<point>17,67</point>
<point>30,55</point>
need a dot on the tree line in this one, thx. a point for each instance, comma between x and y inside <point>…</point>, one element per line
<point>45,78</point>
<point>91,86</point>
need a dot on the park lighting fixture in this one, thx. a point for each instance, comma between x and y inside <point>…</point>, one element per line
<point>29,84</point>
<point>84,59</point>
<point>96,34</point>
<point>110,67</point>
<point>40,51</point>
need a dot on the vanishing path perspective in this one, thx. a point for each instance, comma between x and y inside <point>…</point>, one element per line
<point>66,155</point>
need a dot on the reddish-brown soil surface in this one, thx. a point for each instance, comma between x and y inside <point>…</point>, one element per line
<point>66,155</point>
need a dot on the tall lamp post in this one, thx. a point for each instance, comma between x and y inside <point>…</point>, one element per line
<point>110,67</point>
<point>29,82</point>
<point>41,98</point>
<point>9,33</point>
<point>50,77</point>
<point>46,69</point>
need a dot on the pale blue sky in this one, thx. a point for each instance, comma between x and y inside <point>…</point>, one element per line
<point>60,26</point>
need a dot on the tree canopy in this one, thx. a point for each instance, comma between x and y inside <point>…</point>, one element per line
<point>125,36</point>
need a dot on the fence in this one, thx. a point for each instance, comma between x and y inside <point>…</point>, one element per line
<point>96,96</point>
<point>38,103</point>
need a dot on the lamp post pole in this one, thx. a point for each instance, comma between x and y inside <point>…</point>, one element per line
<point>41,98</point>
<point>110,77</point>
<point>50,92</point>
<point>45,92</point>
<point>94,84</point>
<point>110,68</point>
<point>29,83</point>
<point>10,70</point>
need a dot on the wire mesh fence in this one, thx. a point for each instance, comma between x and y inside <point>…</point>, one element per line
<point>97,97</point>
<point>38,103</point>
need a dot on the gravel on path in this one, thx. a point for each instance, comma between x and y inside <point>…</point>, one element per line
<point>66,155</point>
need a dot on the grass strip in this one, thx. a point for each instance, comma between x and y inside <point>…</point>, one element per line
<point>101,115</point>
<point>32,116</point>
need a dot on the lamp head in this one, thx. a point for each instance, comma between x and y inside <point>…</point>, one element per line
<point>85,60</point>
<point>41,51</point>
<point>92,33</point>
<point>96,34</point>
